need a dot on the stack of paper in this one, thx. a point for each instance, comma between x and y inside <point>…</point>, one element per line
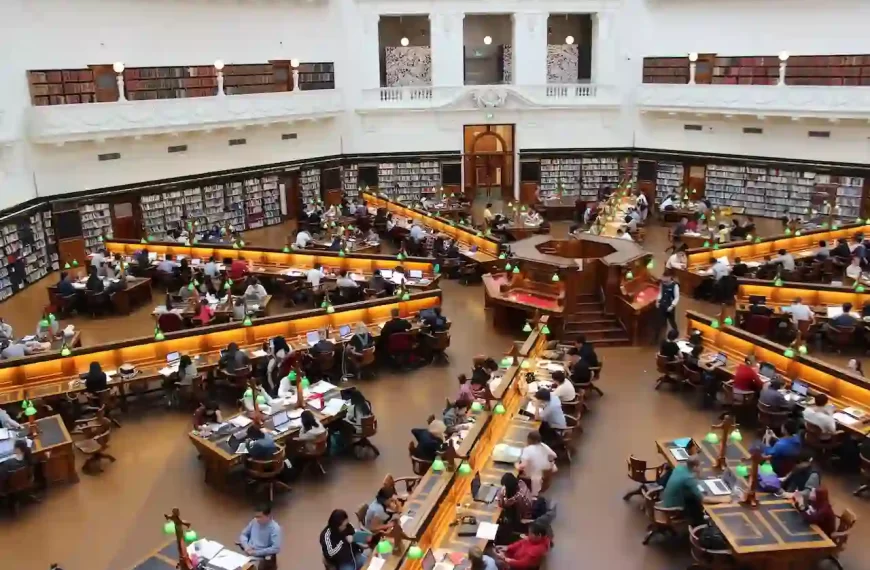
<point>228,560</point>
<point>241,421</point>
<point>845,419</point>
<point>258,353</point>
<point>487,530</point>
<point>205,548</point>
<point>322,387</point>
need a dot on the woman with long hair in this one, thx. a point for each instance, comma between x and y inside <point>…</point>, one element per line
<point>336,542</point>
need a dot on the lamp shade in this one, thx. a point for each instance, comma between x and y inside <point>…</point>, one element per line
<point>400,257</point>
<point>712,437</point>
<point>65,351</point>
<point>330,309</point>
<point>341,253</point>
<point>305,382</point>
<point>788,353</point>
<point>765,469</point>
<point>525,365</point>
<point>292,376</point>
<point>415,552</point>
<point>169,527</point>
<point>247,321</point>
<point>859,289</point>
<point>527,328</point>
<point>650,264</point>
<point>788,231</point>
<point>545,330</point>
<point>436,269</point>
<point>507,361</point>
<point>742,471</point>
<point>629,275</point>
<point>75,263</point>
<point>502,255</point>
<point>516,269</point>
<point>476,407</point>
<point>29,411</point>
<point>777,282</point>
<point>43,323</point>
<point>555,277</point>
<point>715,323</point>
<point>190,287</point>
<point>118,67</point>
<point>498,409</point>
<point>736,435</point>
<point>508,266</point>
<point>465,468</point>
<point>286,249</point>
<point>190,536</point>
<point>406,296</point>
<point>706,244</point>
<point>158,335</point>
<point>802,349</point>
<point>384,547</point>
<point>729,321</point>
<point>438,466</point>
<point>261,399</point>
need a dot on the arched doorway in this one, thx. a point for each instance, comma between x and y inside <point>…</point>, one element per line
<point>489,161</point>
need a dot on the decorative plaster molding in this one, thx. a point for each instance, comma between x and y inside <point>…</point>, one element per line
<point>489,96</point>
<point>90,121</point>
<point>766,100</point>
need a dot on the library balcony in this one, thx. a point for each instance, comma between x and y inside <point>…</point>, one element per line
<point>488,96</point>
<point>96,121</point>
<point>810,102</point>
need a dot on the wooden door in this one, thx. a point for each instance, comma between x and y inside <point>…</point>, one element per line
<point>124,224</point>
<point>695,181</point>
<point>105,83</point>
<point>289,182</point>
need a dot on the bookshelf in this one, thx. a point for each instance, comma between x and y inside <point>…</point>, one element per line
<point>666,70</point>
<point>271,200</point>
<point>556,171</point>
<point>746,70</point>
<point>309,186</point>
<point>314,76</point>
<point>96,222</point>
<point>670,178</point>
<point>350,181</point>
<point>253,203</point>
<point>597,174</point>
<point>262,205</point>
<point>850,191</point>
<point>144,83</point>
<point>244,79</point>
<point>61,87</point>
<point>409,181</point>
<point>29,251</point>
<point>760,191</point>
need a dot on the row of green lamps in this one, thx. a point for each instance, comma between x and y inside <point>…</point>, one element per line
<point>292,378</point>
<point>189,535</point>
<point>545,330</point>
<point>327,305</point>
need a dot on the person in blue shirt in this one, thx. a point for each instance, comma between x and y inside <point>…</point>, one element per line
<point>262,538</point>
<point>845,319</point>
<point>65,287</point>
<point>783,454</point>
<point>260,444</point>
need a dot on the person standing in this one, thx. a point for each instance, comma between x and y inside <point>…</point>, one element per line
<point>669,296</point>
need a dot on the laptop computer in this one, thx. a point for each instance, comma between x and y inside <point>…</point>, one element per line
<point>172,358</point>
<point>721,358</point>
<point>387,273</point>
<point>717,487</point>
<point>344,331</point>
<point>482,493</point>
<point>757,299</point>
<point>312,337</point>
<point>416,273</point>
<point>7,446</point>
<point>281,420</point>
<point>800,387</point>
<point>679,453</point>
<point>767,370</point>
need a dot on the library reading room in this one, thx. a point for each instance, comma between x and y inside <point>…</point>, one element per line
<point>460,286</point>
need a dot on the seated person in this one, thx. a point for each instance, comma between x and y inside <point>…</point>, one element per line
<point>434,320</point>
<point>337,545</point>
<point>263,398</point>
<point>207,413</point>
<point>683,491</point>
<point>455,415</point>
<point>823,252</point>
<point>817,510</point>
<point>238,269</point>
<point>168,265</point>
<point>586,351</point>
<point>723,234</point>
<point>669,347</point>
<point>358,409</point>
<point>755,308</point>
<point>739,269</point>
<point>786,449</point>
<point>233,359</point>
<point>853,270</point>
<point>345,281</point>
<point>262,537</point>
<point>430,441</point>
<point>746,377</point>
<point>6,420</point>
<point>480,561</point>
<point>261,445</point>
<point>6,331</point>
<point>240,309</point>
<point>678,260</point>
<point>396,324</point>
<point>563,388</point>
<point>821,414</point>
<point>204,312</point>
<point>186,291</point>
<point>9,349</point>
<point>94,283</point>
<point>536,459</point>
<point>552,417</point>
<point>303,238</point>
<point>630,224</point>
<point>377,519</point>
<point>95,380</point>
<point>466,390</point>
<point>255,290</point>
<point>378,284</point>
<point>579,368</point>
<point>526,553</point>
<point>311,428</point>
<point>622,234</point>
<point>515,499</point>
<point>799,312</point>
<point>842,249</point>
<point>680,229</point>
<point>844,319</point>
<point>142,261</point>
<point>772,397</point>
<point>803,478</point>
<point>19,459</point>
<point>785,259</point>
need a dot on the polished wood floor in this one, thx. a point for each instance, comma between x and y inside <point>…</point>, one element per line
<point>111,520</point>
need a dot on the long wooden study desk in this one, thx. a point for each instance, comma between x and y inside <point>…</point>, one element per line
<point>431,508</point>
<point>275,263</point>
<point>487,247</point>
<point>52,374</point>
<point>137,292</point>
<point>700,260</point>
<point>817,296</point>
<point>844,387</point>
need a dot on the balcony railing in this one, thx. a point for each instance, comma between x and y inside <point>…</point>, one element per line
<point>766,100</point>
<point>483,96</point>
<point>93,121</point>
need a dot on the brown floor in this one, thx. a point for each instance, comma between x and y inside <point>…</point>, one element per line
<point>110,521</point>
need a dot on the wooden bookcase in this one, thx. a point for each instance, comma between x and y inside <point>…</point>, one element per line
<point>253,78</point>
<point>746,70</point>
<point>666,70</point>
<point>143,83</point>
<point>61,86</point>
<point>314,76</point>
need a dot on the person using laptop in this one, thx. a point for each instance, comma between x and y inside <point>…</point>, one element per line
<point>669,347</point>
<point>820,414</point>
<point>396,324</point>
<point>255,290</point>
<point>784,259</point>
<point>552,417</point>
<point>434,320</point>
<point>344,280</point>
<point>515,499</point>
<point>771,396</point>
<point>211,269</point>
<point>526,553</point>
<point>803,478</point>
<point>757,307</point>
<point>233,359</point>
<point>844,319</point>
<point>261,445</point>
<point>337,544</point>
<point>678,260</point>
<point>262,538</point>
<point>378,284</point>
<point>377,519</point>
<point>683,491</point>
<point>746,377</point>
<point>19,459</point>
<point>95,380</point>
<point>563,389</point>
<point>536,459</point>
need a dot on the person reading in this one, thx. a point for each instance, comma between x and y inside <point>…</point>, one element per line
<point>261,539</point>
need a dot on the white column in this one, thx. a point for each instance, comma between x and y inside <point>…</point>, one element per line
<point>601,47</point>
<point>530,48</point>
<point>445,31</point>
<point>370,52</point>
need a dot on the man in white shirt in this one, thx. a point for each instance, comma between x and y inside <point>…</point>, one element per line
<point>314,275</point>
<point>720,269</point>
<point>417,233</point>
<point>211,268</point>
<point>821,415</point>
<point>620,234</point>
<point>853,271</point>
<point>487,214</point>
<point>167,265</point>
<point>785,259</point>
<point>677,260</point>
<point>631,223</point>
<point>425,203</point>
<point>345,281</point>
<point>564,389</point>
<point>98,258</point>
<point>302,239</point>
<point>799,312</point>
<point>668,202</point>
<point>536,458</point>
<point>255,289</point>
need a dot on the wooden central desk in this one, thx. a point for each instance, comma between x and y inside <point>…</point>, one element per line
<point>165,557</point>
<point>700,260</point>
<point>51,374</point>
<point>187,309</point>
<point>53,447</point>
<point>486,245</point>
<point>844,387</point>
<point>136,293</point>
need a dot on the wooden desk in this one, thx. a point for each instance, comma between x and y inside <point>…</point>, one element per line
<point>512,306</point>
<point>466,236</point>
<point>274,262</point>
<point>165,557</point>
<point>814,294</point>
<point>187,308</point>
<point>53,446</point>
<point>136,293</point>
<point>559,209</point>
<point>50,374</point>
<point>844,387</point>
<point>432,506</point>
<point>700,259</point>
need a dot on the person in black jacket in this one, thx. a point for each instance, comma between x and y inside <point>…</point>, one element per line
<point>96,380</point>
<point>430,441</point>
<point>20,458</point>
<point>842,250</point>
<point>336,542</point>
<point>396,324</point>
<point>586,351</point>
<point>94,284</point>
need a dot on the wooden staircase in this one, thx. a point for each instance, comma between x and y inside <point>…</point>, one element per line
<point>590,319</point>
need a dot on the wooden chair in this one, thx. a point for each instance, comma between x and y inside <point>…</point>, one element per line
<point>403,486</point>
<point>97,303</point>
<point>706,558</point>
<point>20,485</point>
<point>439,342</point>
<point>865,475</point>
<point>576,406</point>
<point>840,537</point>
<point>771,418</point>
<point>596,375</point>
<point>312,452</point>
<point>361,512</point>
<point>740,404</point>
<point>400,346</point>
<point>368,429</point>
<point>662,521</point>
<point>418,466</point>
<point>266,473</point>
<point>105,402</point>
<point>637,472</point>
<point>170,322</point>
<point>325,363</point>
<point>840,337</point>
<point>94,445</point>
<point>66,306</point>
<point>567,437</point>
<point>668,371</point>
<point>758,325</point>
<point>691,378</point>
<point>823,445</point>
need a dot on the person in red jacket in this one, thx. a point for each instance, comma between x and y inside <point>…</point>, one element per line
<point>238,269</point>
<point>746,376</point>
<point>527,553</point>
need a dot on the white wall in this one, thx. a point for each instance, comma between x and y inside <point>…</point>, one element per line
<point>393,28</point>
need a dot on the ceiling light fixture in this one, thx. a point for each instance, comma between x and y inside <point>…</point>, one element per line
<point>404,42</point>
<point>487,40</point>
<point>569,40</point>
